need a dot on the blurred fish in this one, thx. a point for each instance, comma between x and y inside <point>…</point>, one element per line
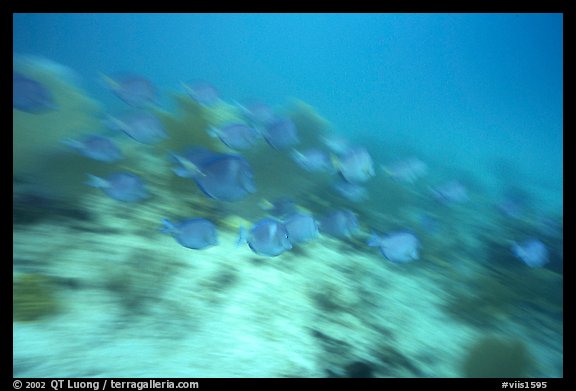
<point>135,90</point>
<point>96,147</point>
<point>121,186</point>
<point>219,176</point>
<point>514,202</point>
<point>407,170</point>
<point>31,96</point>
<point>340,223</point>
<point>226,178</point>
<point>398,247</point>
<point>428,223</point>
<point>336,143</point>
<point>532,252</point>
<point>312,160</point>
<point>351,191</point>
<point>257,113</point>
<point>281,133</point>
<point>202,92</point>
<point>236,135</point>
<point>281,207</point>
<point>452,192</point>
<point>140,125</point>
<point>267,237</point>
<point>551,226</point>
<point>301,228</point>
<point>355,165</point>
<point>195,233</point>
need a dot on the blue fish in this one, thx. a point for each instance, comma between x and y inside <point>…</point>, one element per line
<point>532,252</point>
<point>351,191</point>
<point>141,126</point>
<point>236,136</point>
<point>312,160</point>
<point>96,147</point>
<point>355,165</point>
<point>135,90</point>
<point>407,170</point>
<point>31,96</point>
<point>195,233</point>
<point>340,223</point>
<point>452,192</point>
<point>267,237</point>
<point>398,247</point>
<point>281,133</point>
<point>301,228</point>
<point>220,176</point>
<point>121,186</point>
<point>226,178</point>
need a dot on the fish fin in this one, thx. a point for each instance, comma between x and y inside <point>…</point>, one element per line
<point>167,227</point>
<point>144,194</point>
<point>335,162</point>
<point>371,170</point>
<point>301,209</point>
<point>265,204</point>
<point>261,130</point>
<point>115,123</point>
<point>386,170</point>
<point>187,88</point>
<point>95,181</point>
<point>242,236</point>
<point>296,154</point>
<point>182,172</point>
<point>213,132</point>
<point>70,142</point>
<point>240,106</point>
<point>192,169</point>
<point>109,82</point>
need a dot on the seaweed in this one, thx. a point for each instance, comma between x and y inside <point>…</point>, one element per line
<point>33,297</point>
<point>497,358</point>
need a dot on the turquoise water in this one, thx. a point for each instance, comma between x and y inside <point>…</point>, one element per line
<point>476,97</point>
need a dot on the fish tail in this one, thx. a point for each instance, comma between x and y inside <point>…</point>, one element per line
<point>192,169</point>
<point>296,154</point>
<point>374,240</point>
<point>242,236</point>
<point>265,204</point>
<point>212,132</point>
<point>167,226</point>
<point>109,82</point>
<point>335,161</point>
<point>71,143</point>
<point>95,181</point>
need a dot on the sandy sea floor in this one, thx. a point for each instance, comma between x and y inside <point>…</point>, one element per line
<point>133,303</point>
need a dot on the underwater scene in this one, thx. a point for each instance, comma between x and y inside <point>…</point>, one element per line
<point>288,195</point>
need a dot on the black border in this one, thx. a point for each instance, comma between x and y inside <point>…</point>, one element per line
<point>551,6</point>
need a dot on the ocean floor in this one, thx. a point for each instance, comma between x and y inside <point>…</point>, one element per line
<point>128,301</point>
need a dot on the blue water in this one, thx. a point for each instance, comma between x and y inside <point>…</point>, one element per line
<point>468,89</point>
<point>477,97</point>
